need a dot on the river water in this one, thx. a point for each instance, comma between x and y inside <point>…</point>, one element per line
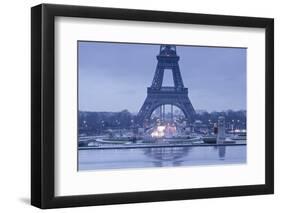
<point>97,159</point>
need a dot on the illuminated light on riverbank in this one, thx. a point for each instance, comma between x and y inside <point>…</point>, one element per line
<point>159,132</point>
<point>238,131</point>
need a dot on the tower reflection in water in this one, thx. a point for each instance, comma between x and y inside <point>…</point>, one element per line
<point>167,155</point>
<point>176,156</point>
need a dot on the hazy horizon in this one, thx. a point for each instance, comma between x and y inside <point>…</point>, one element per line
<point>196,110</point>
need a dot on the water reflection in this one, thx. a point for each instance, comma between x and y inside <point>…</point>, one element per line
<point>175,155</point>
<point>167,154</point>
<point>221,150</point>
<point>160,157</point>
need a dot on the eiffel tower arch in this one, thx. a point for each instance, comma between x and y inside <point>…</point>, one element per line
<point>157,95</point>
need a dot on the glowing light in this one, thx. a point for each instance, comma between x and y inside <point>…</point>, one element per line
<point>238,130</point>
<point>159,132</point>
<point>161,128</point>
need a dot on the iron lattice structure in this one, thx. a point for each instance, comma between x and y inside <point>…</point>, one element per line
<point>158,96</point>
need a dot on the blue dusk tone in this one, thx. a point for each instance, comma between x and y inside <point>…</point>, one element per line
<point>114,76</point>
<point>160,105</point>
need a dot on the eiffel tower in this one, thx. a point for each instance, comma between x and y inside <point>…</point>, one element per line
<point>159,96</point>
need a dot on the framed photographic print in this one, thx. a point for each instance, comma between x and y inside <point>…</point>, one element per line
<point>140,106</point>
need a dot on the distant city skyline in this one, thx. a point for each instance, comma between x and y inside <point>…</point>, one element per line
<point>114,76</point>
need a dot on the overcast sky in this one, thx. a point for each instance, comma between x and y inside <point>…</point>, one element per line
<point>114,76</point>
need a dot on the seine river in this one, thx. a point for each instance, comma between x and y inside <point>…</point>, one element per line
<point>160,157</point>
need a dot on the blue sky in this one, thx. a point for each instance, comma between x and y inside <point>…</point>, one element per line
<point>114,76</point>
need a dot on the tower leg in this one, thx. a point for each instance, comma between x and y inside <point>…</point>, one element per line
<point>164,112</point>
<point>160,112</point>
<point>172,116</point>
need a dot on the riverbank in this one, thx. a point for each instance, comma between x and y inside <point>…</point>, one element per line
<point>159,145</point>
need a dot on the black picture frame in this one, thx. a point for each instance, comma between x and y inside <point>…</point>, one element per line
<point>43,102</point>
